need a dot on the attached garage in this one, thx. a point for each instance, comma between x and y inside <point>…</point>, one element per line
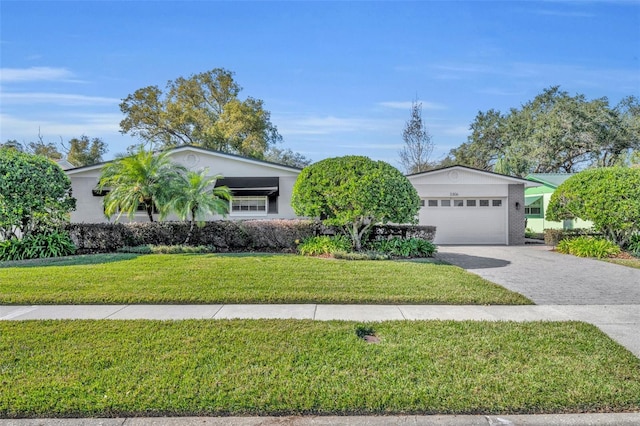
<point>470,206</point>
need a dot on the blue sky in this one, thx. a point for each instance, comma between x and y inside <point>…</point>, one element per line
<point>337,77</point>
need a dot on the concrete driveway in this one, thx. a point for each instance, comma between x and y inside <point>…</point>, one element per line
<point>593,291</point>
<point>548,277</point>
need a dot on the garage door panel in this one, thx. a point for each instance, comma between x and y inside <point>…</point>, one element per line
<point>467,225</point>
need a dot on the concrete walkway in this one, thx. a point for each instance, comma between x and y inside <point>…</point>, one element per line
<point>622,419</point>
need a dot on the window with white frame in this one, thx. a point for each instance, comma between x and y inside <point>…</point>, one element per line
<point>534,209</point>
<point>249,205</point>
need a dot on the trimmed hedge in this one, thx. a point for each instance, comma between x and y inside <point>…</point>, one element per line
<point>277,235</point>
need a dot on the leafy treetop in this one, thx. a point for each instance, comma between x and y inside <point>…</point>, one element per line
<point>355,192</point>
<point>609,197</point>
<point>554,132</point>
<point>35,194</point>
<point>202,110</point>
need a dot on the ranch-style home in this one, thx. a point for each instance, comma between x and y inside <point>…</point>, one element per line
<point>466,205</point>
<point>261,190</point>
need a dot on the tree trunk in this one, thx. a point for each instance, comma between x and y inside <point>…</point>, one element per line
<point>190,233</point>
<point>186,241</point>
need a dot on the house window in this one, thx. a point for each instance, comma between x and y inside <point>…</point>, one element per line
<point>471,203</point>
<point>432,203</point>
<point>534,209</point>
<point>249,205</point>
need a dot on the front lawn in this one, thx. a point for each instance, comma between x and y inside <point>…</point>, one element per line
<point>243,278</point>
<point>628,260</point>
<point>281,367</point>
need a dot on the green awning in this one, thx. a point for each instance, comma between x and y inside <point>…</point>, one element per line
<point>532,199</point>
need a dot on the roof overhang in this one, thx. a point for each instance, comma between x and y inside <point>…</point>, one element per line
<point>506,178</point>
<point>248,186</point>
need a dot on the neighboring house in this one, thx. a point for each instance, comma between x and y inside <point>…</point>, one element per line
<point>537,199</point>
<point>64,164</point>
<point>471,206</point>
<point>261,190</point>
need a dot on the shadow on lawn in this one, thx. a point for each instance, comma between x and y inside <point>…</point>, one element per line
<point>83,259</point>
<point>466,261</point>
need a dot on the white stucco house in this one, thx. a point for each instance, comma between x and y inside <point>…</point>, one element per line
<point>471,206</point>
<point>261,190</point>
<point>466,205</point>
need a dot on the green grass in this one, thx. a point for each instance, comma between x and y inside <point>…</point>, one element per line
<point>280,367</point>
<point>243,278</point>
<point>631,263</point>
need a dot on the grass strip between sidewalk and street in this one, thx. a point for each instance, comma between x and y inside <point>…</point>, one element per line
<point>280,367</point>
<point>243,278</point>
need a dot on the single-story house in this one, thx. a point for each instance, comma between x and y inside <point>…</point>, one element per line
<point>471,206</point>
<point>467,206</point>
<point>261,190</point>
<point>537,200</point>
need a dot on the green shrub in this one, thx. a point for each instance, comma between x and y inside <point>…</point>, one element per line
<point>552,237</point>
<point>177,249</point>
<point>362,255</point>
<point>50,244</point>
<point>634,245</point>
<point>588,247</point>
<point>317,246</point>
<point>404,247</point>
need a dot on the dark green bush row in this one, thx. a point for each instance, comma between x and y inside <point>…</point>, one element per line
<point>51,244</point>
<point>256,235</point>
<point>225,235</point>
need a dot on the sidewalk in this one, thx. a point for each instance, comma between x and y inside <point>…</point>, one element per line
<point>620,322</point>
<point>622,419</point>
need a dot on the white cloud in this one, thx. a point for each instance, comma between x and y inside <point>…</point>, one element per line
<point>66,99</point>
<point>34,74</point>
<point>325,125</point>
<point>26,129</point>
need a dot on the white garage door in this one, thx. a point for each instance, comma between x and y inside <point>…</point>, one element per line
<point>466,220</point>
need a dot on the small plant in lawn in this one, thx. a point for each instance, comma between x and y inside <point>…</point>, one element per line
<point>589,247</point>
<point>323,245</point>
<point>363,330</point>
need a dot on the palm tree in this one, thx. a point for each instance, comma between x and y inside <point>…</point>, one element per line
<point>195,197</point>
<point>144,179</point>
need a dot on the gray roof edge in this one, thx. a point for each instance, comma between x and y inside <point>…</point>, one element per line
<point>526,182</point>
<point>195,148</point>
